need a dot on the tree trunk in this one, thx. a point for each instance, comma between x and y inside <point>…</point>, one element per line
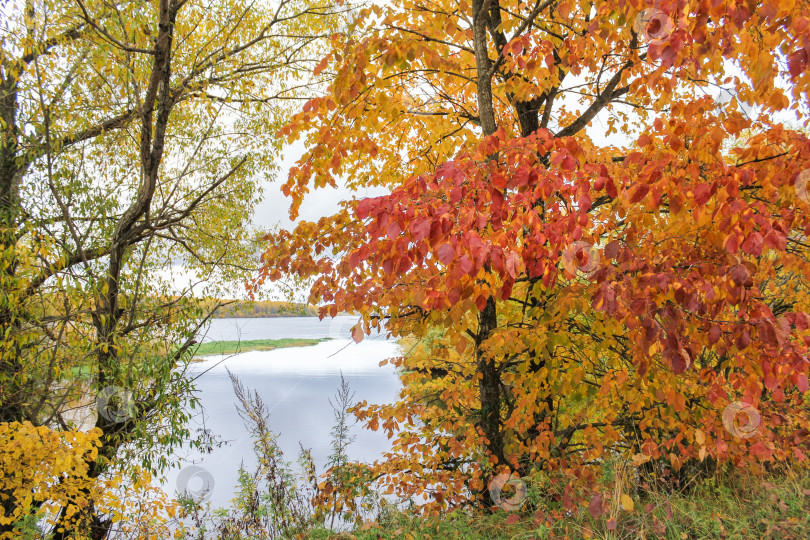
<point>489,386</point>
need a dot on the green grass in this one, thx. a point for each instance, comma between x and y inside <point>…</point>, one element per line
<point>736,506</point>
<point>232,347</point>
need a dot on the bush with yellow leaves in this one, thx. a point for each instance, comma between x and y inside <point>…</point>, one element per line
<point>44,474</point>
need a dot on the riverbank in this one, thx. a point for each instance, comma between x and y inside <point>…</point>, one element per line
<point>233,347</point>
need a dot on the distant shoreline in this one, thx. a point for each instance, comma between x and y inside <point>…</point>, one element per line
<point>243,309</point>
<point>211,348</point>
<point>262,315</point>
<point>277,316</point>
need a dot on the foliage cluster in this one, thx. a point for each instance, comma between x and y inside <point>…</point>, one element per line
<point>615,261</point>
<point>135,138</point>
<point>575,300</point>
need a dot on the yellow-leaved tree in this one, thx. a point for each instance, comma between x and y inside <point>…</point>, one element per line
<point>136,136</point>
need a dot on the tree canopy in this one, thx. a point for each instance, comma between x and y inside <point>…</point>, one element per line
<point>135,140</point>
<point>613,251</point>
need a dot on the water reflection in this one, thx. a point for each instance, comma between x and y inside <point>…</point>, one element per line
<point>296,384</point>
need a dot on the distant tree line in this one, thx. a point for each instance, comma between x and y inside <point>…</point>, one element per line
<point>245,309</point>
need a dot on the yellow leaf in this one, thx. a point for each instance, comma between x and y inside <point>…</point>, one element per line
<point>640,459</point>
<point>627,502</point>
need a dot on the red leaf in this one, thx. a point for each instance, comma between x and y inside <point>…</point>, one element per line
<point>644,140</point>
<point>775,240</point>
<point>610,188</point>
<point>611,524</point>
<point>714,334</point>
<point>739,275</point>
<point>801,383</point>
<point>512,519</point>
<point>797,62</point>
<point>420,229</point>
<point>611,250</point>
<point>675,203</point>
<point>732,243</point>
<point>404,265</point>
<point>702,192</point>
<point>638,306</point>
<point>801,321</point>
<point>767,333</point>
<point>521,176</point>
<point>465,264</point>
<point>667,56</point>
<point>506,290</point>
<point>446,253</point>
<point>394,230</point>
<point>753,244</point>
<point>595,506</point>
<point>743,340</point>
<point>680,360</point>
<point>497,261</point>
<point>512,264</point>
<point>639,193</point>
<point>364,208</point>
<point>760,450</point>
<point>568,164</point>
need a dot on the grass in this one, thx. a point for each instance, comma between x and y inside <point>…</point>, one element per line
<point>734,506</point>
<point>232,347</point>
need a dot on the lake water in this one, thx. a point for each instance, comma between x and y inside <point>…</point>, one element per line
<point>296,384</point>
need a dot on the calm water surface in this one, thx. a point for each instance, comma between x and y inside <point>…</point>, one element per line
<point>296,384</point>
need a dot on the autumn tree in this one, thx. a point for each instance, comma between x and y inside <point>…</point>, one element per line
<point>135,138</point>
<point>616,261</point>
